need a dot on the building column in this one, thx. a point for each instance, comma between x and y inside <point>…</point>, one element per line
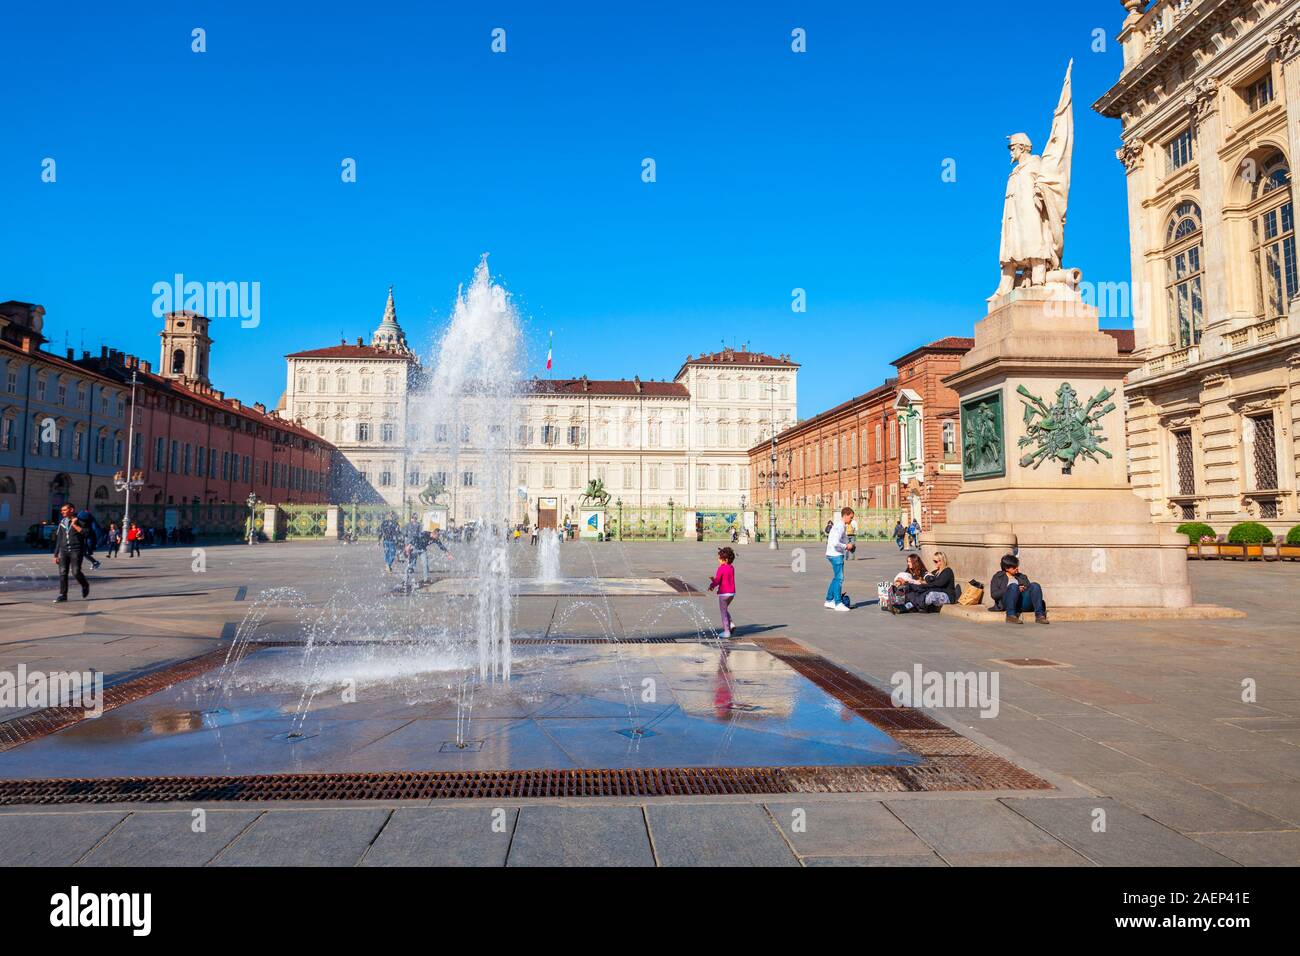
<point>1132,155</point>
<point>1205,100</point>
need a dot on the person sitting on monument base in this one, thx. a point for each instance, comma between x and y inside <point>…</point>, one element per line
<point>1014,593</point>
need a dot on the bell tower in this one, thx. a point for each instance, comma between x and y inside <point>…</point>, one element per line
<point>185,347</point>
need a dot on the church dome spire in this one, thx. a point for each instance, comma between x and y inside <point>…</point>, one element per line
<point>389,335</point>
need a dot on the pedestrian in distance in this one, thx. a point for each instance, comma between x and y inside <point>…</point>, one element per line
<point>69,550</point>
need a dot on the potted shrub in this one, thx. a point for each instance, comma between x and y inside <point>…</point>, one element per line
<point>1200,538</point>
<point>1290,547</point>
<point>1247,540</point>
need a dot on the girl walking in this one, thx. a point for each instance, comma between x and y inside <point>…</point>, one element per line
<point>724,582</point>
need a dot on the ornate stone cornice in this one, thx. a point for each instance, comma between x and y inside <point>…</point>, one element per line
<point>1284,42</point>
<point>1130,154</point>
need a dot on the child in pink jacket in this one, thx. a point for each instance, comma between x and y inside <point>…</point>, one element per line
<point>724,582</point>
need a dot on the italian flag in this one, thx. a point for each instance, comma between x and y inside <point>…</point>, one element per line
<point>550,348</point>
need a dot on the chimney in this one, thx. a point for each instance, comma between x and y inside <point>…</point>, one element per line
<point>148,366</point>
<point>103,351</point>
<point>71,353</point>
<point>358,340</point>
<point>260,407</point>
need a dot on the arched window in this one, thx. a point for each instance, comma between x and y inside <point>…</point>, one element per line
<point>178,362</point>
<point>1183,275</point>
<point>101,493</point>
<point>1272,224</point>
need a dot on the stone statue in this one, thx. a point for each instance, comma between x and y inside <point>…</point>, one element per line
<point>595,494</point>
<point>1038,191</point>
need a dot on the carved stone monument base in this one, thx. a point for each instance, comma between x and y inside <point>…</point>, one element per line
<point>1077,526</point>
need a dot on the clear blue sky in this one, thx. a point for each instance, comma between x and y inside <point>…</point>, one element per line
<point>775,171</point>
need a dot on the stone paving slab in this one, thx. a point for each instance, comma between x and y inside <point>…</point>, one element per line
<point>168,838</point>
<point>1256,849</point>
<point>1129,838</point>
<point>52,839</point>
<point>860,829</point>
<point>580,836</point>
<point>445,836</point>
<point>1186,806</point>
<point>717,835</point>
<point>305,838</point>
<point>983,833</point>
<point>928,859</point>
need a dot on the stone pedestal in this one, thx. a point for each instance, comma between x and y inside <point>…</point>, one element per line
<point>333,527</point>
<point>271,522</point>
<point>1077,527</point>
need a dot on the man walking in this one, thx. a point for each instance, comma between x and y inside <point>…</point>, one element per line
<point>69,548</point>
<point>899,534</point>
<point>836,547</point>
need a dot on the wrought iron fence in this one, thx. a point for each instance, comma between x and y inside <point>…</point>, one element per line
<point>304,521</point>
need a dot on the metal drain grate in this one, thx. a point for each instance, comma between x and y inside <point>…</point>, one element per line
<point>946,773</point>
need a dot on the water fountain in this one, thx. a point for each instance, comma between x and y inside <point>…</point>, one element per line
<point>344,673</point>
<point>548,557</point>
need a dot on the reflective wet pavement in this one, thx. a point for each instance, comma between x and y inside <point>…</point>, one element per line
<point>375,708</point>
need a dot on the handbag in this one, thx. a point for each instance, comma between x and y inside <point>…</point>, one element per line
<point>971,596</point>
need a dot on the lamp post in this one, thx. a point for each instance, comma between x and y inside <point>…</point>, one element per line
<point>252,517</point>
<point>775,480</point>
<point>126,480</point>
<point>670,519</point>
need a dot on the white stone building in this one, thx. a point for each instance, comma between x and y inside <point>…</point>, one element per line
<point>1209,99</point>
<point>650,442</point>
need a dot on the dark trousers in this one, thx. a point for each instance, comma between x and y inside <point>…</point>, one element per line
<point>71,561</point>
<point>132,549</point>
<point>1030,599</point>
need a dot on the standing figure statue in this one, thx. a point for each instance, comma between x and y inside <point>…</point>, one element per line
<point>1038,191</point>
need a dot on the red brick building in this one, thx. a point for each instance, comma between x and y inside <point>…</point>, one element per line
<point>896,448</point>
<point>892,449</point>
<point>195,446</point>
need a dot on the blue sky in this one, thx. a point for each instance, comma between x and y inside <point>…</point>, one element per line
<point>775,170</point>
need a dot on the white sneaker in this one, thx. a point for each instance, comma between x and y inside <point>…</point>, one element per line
<point>841,607</point>
<point>832,605</point>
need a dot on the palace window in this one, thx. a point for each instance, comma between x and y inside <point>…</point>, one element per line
<point>363,431</point>
<point>1262,437</point>
<point>1273,230</point>
<point>467,479</point>
<point>1185,461</point>
<point>386,432</point>
<point>949,441</point>
<point>1183,269</point>
<point>1260,93</point>
<point>386,476</point>
<point>1178,151</point>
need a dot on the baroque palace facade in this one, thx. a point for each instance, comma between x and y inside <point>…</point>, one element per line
<point>65,430</point>
<point>1209,99</point>
<point>649,442</point>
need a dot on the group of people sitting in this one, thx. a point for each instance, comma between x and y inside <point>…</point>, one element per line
<point>916,589</point>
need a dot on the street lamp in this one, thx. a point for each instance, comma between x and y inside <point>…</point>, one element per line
<point>252,517</point>
<point>775,480</point>
<point>127,481</point>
